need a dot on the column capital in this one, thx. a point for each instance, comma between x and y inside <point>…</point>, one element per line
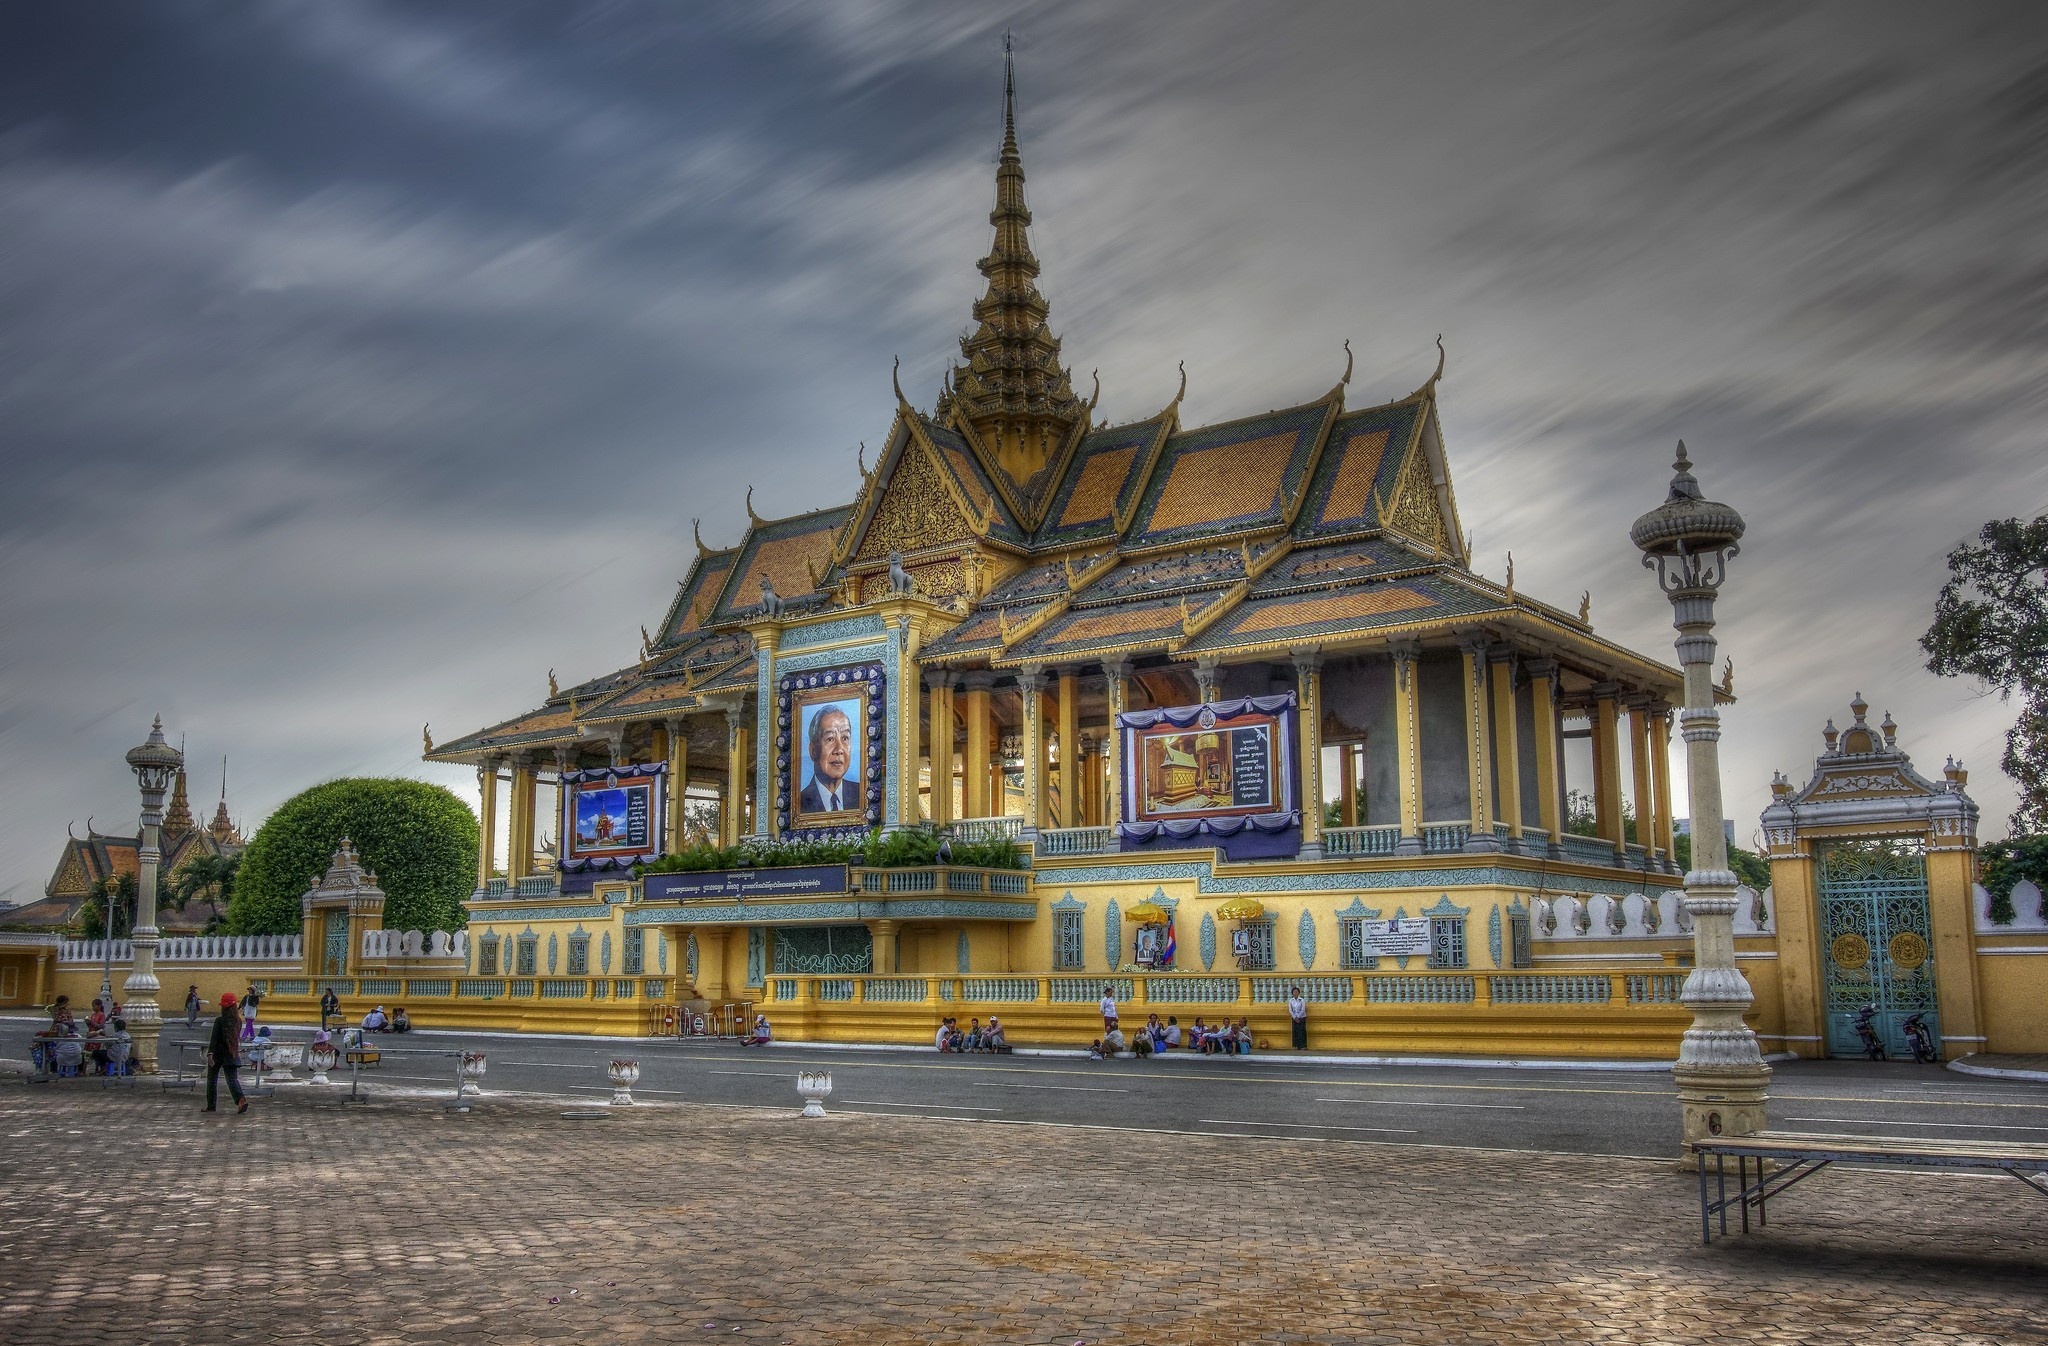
<point>675,725</point>
<point>565,758</point>
<point>767,638</point>
<point>1031,678</point>
<point>937,678</point>
<point>1541,667</point>
<point>1119,667</point>
<point>1605,691</point>
<point>1405,649</point>
<point>978,679</point>
<point>1307,658</point>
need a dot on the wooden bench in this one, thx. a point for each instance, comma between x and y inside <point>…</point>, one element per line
<point>1799,1155</point>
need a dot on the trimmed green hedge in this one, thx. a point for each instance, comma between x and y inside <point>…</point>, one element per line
<point>420,839</point>
<point>897,850</point>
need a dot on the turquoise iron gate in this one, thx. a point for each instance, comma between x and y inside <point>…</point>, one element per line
<point>334,953</point>
<point>1876,945</point>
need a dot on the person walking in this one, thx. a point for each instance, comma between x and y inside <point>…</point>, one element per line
<point>192,1006</point>
<point>221,1049</point>
<point>1297,1010</point>
<point>1108,1008</point>
<point>250,1001</point>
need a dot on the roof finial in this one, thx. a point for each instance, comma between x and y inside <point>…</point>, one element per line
<point>1347,362</point>
<point>758,520</point>
<point>1441,356</point>
<point>896,382</point>
<point>860,455</point>
<point>1096,396</point>
<point>1183,391</point>
<point>1009,97</point>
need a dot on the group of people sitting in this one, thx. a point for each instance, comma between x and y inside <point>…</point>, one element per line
<point>973,1038</point>
<point>1223,1038</point>
<point>100,1046</point>
<point>377,1021</point>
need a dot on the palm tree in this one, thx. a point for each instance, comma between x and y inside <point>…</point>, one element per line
<point>206,876</point>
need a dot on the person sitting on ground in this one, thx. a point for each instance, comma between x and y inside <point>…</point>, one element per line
<point>944,1036</point>
<point>1198,1032</point>
<point>1114,1042</point>
<point>992,1040</point>
<point>1151,1029</point>
<point>1244,1037</point>
<point>973,1043</point>
<point>376,1021</point>
<point>1169,1036</point>
<point>761,1034</point>
<point>1141,1044</point>
<point>401,1022</point>
<point>120,1048</point>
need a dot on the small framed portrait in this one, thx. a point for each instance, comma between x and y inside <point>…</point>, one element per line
<point>828,761</point>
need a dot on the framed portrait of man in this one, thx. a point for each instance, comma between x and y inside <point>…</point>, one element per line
<point>826,766</point>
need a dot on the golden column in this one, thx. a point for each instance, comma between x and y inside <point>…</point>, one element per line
<point>487,821</point>
<point>678,744</point>
<point>1639,763</point>
<point>939,745</point>
<point>42,979</point>
<point>1478,748</point>
<point>519,832</point>
<point>886,958</point>
<point>1549,775</point>
<point>974,778</point>
<point>1408,740</point>
<point>1308,681</point>
<point>1116,674</point>
<point>1507,743</point>
<point>1071,752</point>
<point>1030,692</point>
<point>1607,764</point>
<point>1660,759</point>
<point>738,758</point>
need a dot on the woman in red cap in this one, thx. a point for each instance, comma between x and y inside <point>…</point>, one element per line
<point>221,1056</point>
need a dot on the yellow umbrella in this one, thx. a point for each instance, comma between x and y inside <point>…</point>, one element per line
<point>1147,913</point>
<point>1241,909</point>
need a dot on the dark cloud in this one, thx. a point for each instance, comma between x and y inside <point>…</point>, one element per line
<point>339,342</point>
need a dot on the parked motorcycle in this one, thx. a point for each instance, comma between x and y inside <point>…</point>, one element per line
<point>1873,1045</point>
<point>1920,1036</point>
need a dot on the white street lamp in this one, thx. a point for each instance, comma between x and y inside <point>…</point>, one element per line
<point>1723,1083</point>
<point>154,763</point>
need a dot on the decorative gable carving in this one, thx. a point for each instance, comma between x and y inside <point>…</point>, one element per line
<point>71,880</point>
<point>1414,509</point>
<point>916,512</point>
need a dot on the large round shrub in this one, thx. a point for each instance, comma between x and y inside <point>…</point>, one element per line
<point>420,839</point>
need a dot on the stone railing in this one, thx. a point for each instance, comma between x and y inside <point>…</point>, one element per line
<point>1361,840</point>
<point>950,879</point>
<point>189,949</point>
<point>1077,841</point>
<point>987,829</point>
<point>1178,991</point>
<point>389,945</point>
<point>1586,850</point>
<point>2028,915</point>
<point>1638,916</point>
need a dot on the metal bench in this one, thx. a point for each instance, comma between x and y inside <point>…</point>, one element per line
<point>1799,1155</point>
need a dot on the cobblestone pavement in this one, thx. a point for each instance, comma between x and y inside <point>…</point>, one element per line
<point>128,1215</point>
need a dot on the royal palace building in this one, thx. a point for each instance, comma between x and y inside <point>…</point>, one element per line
<point>1234,690</point>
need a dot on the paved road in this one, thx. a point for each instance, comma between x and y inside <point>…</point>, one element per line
<point>1587,1112</point>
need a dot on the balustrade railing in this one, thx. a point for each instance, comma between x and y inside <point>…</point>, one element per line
<point>1654,988</point>
<point>1426,989</point>
<point>896,990</point>
<point>1443,838</point>
<point>379,986</point>
<point>987,829</point>
<point>563,988</point>
<point>943,878</point>
<point>1587,850</point>
<point>1191,990</point>
<point>1377,840</point>
<point>189,949</point>
<point>1077,841</point>
<point>1551,988</point>
<point>835,988</point>
<point>539,885</point>
<point>1315,990</point>
<point>1007,990</point>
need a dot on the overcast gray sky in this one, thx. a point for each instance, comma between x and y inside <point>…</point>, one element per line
<point>361,362</point>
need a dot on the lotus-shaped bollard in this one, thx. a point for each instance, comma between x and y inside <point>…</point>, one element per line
<point>624,1075</point>
<point>814,1086</point>
<point>323,1058</point>
<point>472,1071</point>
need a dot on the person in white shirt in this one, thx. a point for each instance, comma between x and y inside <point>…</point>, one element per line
<point>993,1038</point>
<point>1108,1008</point>
<point>1170,1035</point>
<point>375,1022</point>
<point>761,1035</point>
<point>1297,1010</point>
<point>943,1039</point>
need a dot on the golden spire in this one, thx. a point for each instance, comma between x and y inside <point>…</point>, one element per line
<point>178,818</point>
<point>1012,389</point>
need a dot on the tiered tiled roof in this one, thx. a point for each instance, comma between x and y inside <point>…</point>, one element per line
<point>1045,538</point>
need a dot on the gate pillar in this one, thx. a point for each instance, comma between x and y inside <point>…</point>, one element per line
<point>1873,868</point>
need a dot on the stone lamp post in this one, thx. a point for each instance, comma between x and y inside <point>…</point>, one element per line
<point>1722,1080</point>
<point>154,763</point>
